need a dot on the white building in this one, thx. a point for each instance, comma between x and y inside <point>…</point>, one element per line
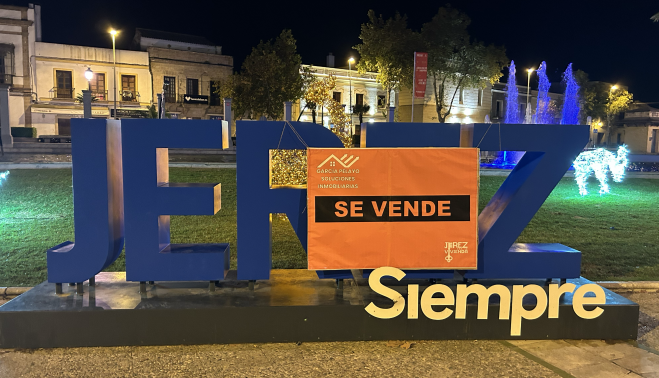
<point>363,88</point>
<point>46,78</point>
<point>59,78</point>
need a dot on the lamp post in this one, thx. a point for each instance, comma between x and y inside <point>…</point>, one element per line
<point>113,33</point>
<point>527,116</point>
<point>87,95</point>
<point>350,62</point>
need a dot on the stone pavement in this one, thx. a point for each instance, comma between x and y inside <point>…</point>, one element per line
<point>532,358</point>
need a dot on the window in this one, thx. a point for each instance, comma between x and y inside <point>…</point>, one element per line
<point>193,87</point>
<point>480,97</point>
<point>64,84</point>
<point>337,97</point>
<point>97,86</point>
<point>359,100</point>
<point>382,101</point>
<point>6,63</point>
<point>128,92</point>
<point>215,95</point>
<point>169,87</point>
<point>499,109</point>
<point>462,96</point>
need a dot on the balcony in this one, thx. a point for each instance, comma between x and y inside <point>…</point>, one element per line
<point>61,93</point>
<point>100,96</point>
<point>129,96</point>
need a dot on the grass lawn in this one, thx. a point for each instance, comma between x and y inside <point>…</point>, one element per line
<point>618,233</point>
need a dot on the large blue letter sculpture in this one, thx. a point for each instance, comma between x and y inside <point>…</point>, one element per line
<point>549,152</point>
<point>98,148</point>
<point>150,198</point>
<point>257,201</point>
<point>97,203</point>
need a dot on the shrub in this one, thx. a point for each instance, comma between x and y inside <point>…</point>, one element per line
<point>24,132</point>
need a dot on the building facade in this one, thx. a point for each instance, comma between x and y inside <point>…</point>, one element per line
<point>59,78</point>
<point>20,28</point>
<point>638,128</point>
<point>187,71</point>
<point>45,79</point>
<point>470,105</point>
<point>352,88</point>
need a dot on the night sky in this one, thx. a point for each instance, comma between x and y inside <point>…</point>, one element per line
<point>612,41</point>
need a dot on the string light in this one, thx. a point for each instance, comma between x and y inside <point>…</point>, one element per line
<point>289,167</point>
<point>600,161</point>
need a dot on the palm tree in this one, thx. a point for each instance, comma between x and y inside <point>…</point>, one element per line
<point>655,18</point>
<point>360,110</point>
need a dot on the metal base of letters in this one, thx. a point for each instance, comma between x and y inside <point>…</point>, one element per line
<point>292,306</point>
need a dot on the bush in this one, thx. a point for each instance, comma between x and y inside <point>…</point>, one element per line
<point>24,132</point>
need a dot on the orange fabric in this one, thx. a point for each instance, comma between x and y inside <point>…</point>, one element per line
<point>349,242</point>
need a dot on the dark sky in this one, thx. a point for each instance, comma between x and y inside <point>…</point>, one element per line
<point>612,41</point>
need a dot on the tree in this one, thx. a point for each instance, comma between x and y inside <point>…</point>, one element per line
<point>601,100</point>
<point>454,62</point>
<point>270,76</point>
<point>387,48</point>
<point>361,110</point>
<point>655,18</point>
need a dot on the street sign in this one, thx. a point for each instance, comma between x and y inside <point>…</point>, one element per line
<point>195,99</point>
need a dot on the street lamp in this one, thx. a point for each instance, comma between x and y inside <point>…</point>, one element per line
<point>89,75</point>
<point>113,33</point>
<point>350,62</point>
<point>527,116</point>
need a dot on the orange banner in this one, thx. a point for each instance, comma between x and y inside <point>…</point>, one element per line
<point>409,208</point>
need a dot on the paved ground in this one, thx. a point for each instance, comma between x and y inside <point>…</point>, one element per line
<point>556,358</point>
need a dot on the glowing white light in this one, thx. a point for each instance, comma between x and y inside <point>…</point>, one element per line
<point>303,118</point>
<point>3,176</point>
<point>371,120</point>
<point>600,161</point>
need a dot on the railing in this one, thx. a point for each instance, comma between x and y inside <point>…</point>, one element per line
<point>6,79</point>
<point>129,96</point>
<point>100,96</point>
<point>61,93</point>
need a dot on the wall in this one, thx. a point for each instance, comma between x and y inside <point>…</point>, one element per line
<point>637,139</point>
<point>425,110</point>
<point>146,43</point>
<point>183,65</point>
<point>51,56</point>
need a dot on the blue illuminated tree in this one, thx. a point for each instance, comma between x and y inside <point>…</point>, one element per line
<point>512,113</point>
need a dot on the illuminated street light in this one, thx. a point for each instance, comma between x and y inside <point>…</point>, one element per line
<point>89,75</point>
<point>527,116</point>
<point>114,33</point>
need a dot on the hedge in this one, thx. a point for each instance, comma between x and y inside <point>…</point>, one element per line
<point>24,132</point>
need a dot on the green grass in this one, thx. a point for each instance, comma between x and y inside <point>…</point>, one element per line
<point>617,233</point>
